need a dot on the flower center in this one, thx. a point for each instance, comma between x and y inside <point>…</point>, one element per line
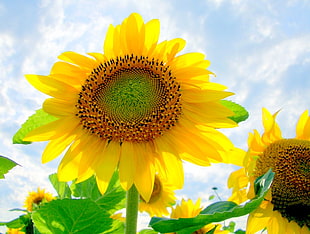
<point>290,160</point>
<point>129,98</point>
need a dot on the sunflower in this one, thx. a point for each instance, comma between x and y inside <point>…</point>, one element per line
<point>162,197</point>
<point>14,231</point>
<point>135,105</point>
<point>286,207</point>
<point>36,198</point>
<point>187,209</point>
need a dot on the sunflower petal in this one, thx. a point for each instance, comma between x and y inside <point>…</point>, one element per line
<point>69,165</point>
<point>127,165</point>
<point>78,59</point>
<point>58,107</point>
<point>107,164</point>
<point>52,130</point>
<point>303,126</point>
<point>200,96</point>
<point>52,87</point>
<point>259,218</point>
<point>135,34</point>
<point>56,147</point>
<point>145,171</point>
<point>151,36</point>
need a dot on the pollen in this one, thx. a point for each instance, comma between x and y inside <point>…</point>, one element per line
<point>290,160</point>
<point>129,98</point>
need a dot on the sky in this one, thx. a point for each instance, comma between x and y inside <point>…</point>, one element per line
<point>260,50</point>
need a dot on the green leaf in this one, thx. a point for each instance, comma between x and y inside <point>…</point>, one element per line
<point>71,216</point>
<point>148,231</point>
<point>118,227</point>
<point>5,165</point>
<point>230,227</point>
<point>21,222</point>
<point>114,198</point>
<point>239,231</point>
<point>62,188</point>
<point>216,212</point>
<point>240,113</point>
<point>86,189</point>
<point>15,223</point>
<point>36,120</point>
<point>111,201</point>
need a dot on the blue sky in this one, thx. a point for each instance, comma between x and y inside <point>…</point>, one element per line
<point>258,49</point>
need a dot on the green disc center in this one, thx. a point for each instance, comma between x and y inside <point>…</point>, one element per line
<point>130,95</point>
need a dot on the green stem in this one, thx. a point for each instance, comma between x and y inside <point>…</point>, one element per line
<point>132,210</point>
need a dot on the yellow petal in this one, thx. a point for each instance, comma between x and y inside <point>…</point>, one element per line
<point>78,59</point>
<point>188,59</point>
<point>174,46</point>
<point>152,29</point>
<point>304,230</point>
<point>303,126</point>
<point>85,175</point>
<point>52,130</point>
<point>127,165</point>
<point>200,96</point>
<point>56,147</point>
<point>276,223</point>
<point>135,34</point>
<point>259,218</point>
<point>90,153</point>
<point>293,228</point>
<point>105,168</point>
<point>98,56</point>
<point>59,108</point>
<point>189,147</point>
<point>211,114</point>
<point>109,42</point>
<point>235,156</point>
<point>52,87</point>
<point>145,171</point>
<point>170,161</point>
<point>187,74</point>
<point>69,165</point>
<point>234,178</point>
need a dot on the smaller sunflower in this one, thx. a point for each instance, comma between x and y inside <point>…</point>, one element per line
<point>162,197</point>
<point>187,209</point>
<point>36,198</point>
<point>14,231</point>
<point>286,207</point>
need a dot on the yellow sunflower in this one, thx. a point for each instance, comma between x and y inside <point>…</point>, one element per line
<point>162,197</point>
<point>136,105</point>
<point>35,198</point>
<point>187,209</point>
<point>286,208</point>
<point>14,231</point>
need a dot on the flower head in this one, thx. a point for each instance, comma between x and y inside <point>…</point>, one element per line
<point>162,197</point>
<point>286,208</point>
<point>36,198</point>
<point>187,209</point>
<point>137,105</point>
<point>15,231</point>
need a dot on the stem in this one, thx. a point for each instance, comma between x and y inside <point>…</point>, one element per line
<point>132,210</point>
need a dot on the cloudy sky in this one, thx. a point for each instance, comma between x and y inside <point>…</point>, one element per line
<point>258,49</point>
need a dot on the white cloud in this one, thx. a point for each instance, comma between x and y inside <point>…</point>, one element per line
<point>257,71</point>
